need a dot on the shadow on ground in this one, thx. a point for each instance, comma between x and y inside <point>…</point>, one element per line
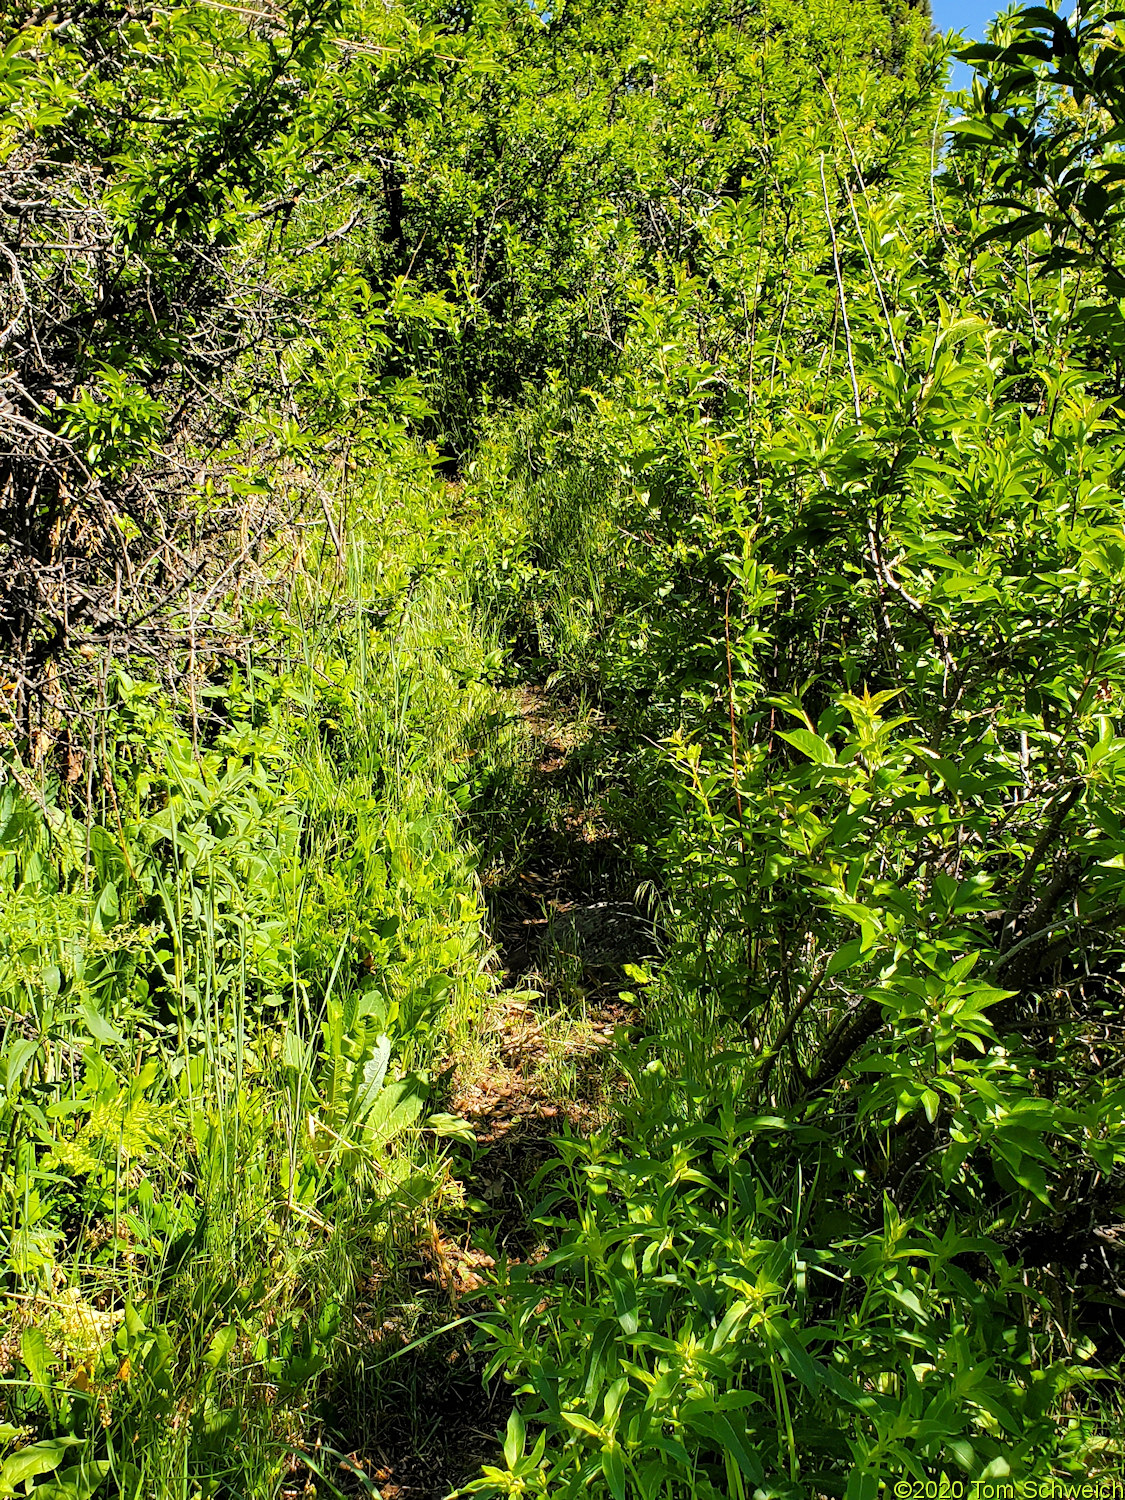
<point>566,928</point>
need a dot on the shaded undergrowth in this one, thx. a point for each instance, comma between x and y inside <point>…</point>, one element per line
<point>415,1413</point>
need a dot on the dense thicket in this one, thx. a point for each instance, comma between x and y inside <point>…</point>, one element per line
<point>710,365</point>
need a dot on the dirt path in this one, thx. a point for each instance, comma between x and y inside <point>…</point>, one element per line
<point>565,925</point>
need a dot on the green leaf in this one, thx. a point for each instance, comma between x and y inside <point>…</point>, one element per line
<point>1012,230</point>
<point>845,957</point>
<point>107,909</point>
<point>79,1482</point>
<point>374,1072</point>
<point>862,1486</point>
<point>795,1355</point>
<point>37,1356</point>
<point>613,1399</point>
<point>717,1428</point>
<point>624,1290</point>
<point>222,1342</point>
<point>292,1052</point>
<point>515,1439</point>
<point>20,1055</point>
<point>810,744</point>
<point>397,1105</point>
<point>613,1467</point>
<point>28,1463</point>
<point>582,1424</point>
<point>453,1127</point>
<point>101,1029</point>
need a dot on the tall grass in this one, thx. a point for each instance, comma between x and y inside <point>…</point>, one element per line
<point>223,981</point>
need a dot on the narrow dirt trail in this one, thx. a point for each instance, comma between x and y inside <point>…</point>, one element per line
<point>565,925</point>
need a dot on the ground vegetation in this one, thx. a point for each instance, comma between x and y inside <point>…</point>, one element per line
<point>561,824</point>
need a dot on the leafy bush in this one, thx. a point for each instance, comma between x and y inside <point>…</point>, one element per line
<point>694,361</point>
<point>867,568</point>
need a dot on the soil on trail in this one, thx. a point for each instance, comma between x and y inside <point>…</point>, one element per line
<point>565,925</point>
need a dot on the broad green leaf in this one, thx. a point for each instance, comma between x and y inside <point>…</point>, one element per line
<point>78,1482</point>
<point>30,1462</point>
<point>582,1424</point>
<point>20,1055</point>
<point>220,1346</point>
<point>514,1440</point>
<point>37,1355</point>
<point>107,909</point>
<point>101,1029</point>
<point>453,1127</point>
<point>613,1467</point>
<point>374,1072</point>
<point>810,744</point>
